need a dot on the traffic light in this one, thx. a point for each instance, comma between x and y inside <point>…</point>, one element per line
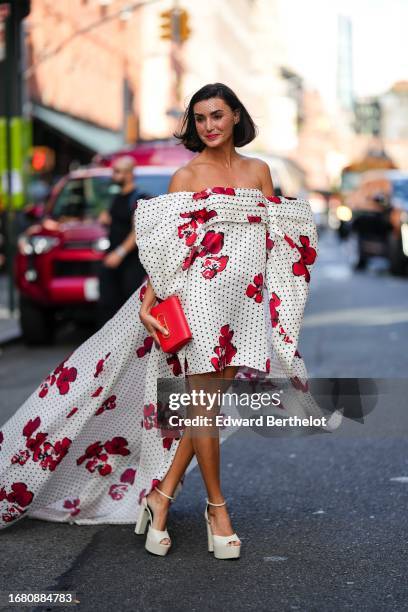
<point>174,25</point>
<point>166,26</point>
<point>42,159</point>
<point>183,26</point>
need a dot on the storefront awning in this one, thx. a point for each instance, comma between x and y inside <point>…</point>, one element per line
<point>93,137</point>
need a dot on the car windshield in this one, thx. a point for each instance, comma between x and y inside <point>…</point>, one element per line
<point>350,181</point>
<point>400,190</point>
<point>88,196</point>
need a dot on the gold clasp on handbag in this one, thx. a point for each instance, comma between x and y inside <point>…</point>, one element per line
<point>162,320</point>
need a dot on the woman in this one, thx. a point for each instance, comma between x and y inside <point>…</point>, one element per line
<point>87,446</point>
<point>214,124</point>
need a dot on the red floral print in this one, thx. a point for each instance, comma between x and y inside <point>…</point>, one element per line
<point>269,242</point>
<point>202,195</point>
<point>146,348</point>
<point>155,483</point>
<point>51,379</point>
<point>149,416</point>
<point>16,501</point>
<point>1,438</point>
<point>261,204</point>
<point>286,338</point>
<point>128,476</point>
<point>99,365</point>
<point>97,392</point>
<point>307,258</point>
<point>174,362</point>
<point>256,290</point>
<point>117,491</point>
<point>274,199</point>
<point>199,216</point>
<point>73,505</point>
<point>212,244</point>
<point>224,190</point>
<point>72,412</point>
<point>66,377</point>
<point>268,365</point>
<point>109,404</point>
<point>274,302</point>
<point>199,195</point>
<point>188,230</point>
<point>254,218</point>
<point>191,257</point>
<point>168,440</point>
<point>225,351</point>
<point>214,265</point>
<point>98,459</point>
<point>40,449</point>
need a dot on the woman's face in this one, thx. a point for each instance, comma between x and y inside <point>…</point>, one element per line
<point>214,121</point>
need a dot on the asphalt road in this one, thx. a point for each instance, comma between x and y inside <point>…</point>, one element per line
<point>323,518</point>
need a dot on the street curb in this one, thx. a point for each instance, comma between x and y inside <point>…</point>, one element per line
<point>10,338</point>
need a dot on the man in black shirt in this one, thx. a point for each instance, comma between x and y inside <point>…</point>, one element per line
<point>121,271</point>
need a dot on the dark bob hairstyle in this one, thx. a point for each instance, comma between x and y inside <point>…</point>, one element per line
<point>244,131</point>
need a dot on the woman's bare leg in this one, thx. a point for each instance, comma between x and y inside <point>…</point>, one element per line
<point>206,446</point>
<point>208,457</point>
<point>159,503</point>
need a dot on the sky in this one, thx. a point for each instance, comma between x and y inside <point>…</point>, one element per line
<point>380,42</point>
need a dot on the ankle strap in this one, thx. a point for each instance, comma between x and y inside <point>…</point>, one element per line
<point>211,504</point>
<point>164,494</point>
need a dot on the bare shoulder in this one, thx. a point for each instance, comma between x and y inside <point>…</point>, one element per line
<point>181,179</point>
<point>262,173</point>
<point>258,164</point>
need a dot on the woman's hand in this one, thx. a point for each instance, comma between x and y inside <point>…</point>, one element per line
<point>152,324</point>
<point>149,321</point>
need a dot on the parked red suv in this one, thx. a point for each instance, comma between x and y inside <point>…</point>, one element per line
<point>58,259</point>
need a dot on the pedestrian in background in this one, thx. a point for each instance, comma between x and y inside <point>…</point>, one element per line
<point>121,271</point>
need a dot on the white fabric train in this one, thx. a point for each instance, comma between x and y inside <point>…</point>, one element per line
<point>86,446</point>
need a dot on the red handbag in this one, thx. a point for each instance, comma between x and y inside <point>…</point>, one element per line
<point>170,315</point>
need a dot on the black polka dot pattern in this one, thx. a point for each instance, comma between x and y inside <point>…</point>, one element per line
<point>86,446</point>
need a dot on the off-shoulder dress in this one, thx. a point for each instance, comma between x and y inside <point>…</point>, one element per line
<point>87,445</point>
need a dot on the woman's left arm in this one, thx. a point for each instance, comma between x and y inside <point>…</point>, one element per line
<point>266,179</point>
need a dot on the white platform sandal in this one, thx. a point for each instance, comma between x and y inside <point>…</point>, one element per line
<point>154,536</point>
<point>219,545</point>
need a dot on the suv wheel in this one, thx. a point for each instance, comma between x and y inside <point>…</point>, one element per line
<point>396,255</point>
<point>37,323</point>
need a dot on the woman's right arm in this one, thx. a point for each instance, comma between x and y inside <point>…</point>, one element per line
<point>178,182</point>
<point>148,320</point>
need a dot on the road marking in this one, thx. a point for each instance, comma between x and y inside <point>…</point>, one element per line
<point>383,315</point>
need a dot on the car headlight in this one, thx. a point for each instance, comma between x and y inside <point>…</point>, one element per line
<point>102,244</point>
<point>344,213</point>
<point>36,244</point>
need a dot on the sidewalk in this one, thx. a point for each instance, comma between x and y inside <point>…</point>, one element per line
<point>9,325</point>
